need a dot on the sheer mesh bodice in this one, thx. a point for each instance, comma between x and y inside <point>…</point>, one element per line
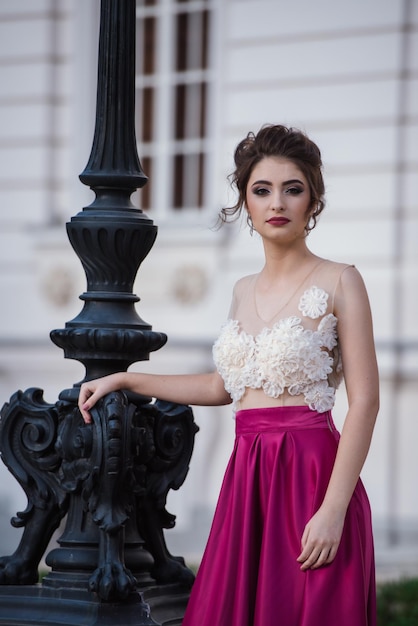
<point>296,352</point>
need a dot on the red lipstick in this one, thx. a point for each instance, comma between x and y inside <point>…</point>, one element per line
<point>278,221</point>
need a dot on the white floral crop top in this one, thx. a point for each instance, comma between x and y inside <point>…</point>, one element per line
<point>293,354</point>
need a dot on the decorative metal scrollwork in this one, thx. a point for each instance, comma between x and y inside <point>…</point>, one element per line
<point>125,462</point>
<point>28,432</point>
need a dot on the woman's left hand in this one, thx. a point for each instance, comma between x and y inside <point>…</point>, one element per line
<point>320,539</point>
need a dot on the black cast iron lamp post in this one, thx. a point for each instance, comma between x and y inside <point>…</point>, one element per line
<point>112,477</point>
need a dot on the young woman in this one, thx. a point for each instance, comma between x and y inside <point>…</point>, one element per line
<point>291,542</point>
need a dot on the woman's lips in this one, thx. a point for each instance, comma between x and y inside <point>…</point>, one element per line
<point>278,221</point>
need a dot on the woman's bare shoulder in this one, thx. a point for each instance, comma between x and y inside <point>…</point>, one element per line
<point>334,270</point>
<point>243,283</point>
<point>334,266</point>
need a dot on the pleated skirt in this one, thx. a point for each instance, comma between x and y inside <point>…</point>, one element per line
<point>275,481</point>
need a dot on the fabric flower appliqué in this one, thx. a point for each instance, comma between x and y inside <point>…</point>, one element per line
<point>233,354</point>
<point>313,302</point>
<point>320,397</point>
<point>327,329</point>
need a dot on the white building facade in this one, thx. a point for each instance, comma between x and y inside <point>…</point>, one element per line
<point>209,71</point>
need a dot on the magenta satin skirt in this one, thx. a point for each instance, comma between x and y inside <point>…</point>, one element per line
<point>275,481</point>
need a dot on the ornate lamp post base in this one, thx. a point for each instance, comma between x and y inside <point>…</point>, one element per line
<point>111,479</point>
<point>35,605</point>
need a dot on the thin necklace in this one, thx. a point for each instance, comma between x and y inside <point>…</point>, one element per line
<point>305,278</point>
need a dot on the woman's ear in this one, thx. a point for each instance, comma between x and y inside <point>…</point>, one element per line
<point>249,221</point>
<point>310,221</point>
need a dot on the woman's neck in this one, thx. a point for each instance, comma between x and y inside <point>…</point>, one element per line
<point>286,262</point>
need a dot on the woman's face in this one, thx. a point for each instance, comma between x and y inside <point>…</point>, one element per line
<point>278,199</point>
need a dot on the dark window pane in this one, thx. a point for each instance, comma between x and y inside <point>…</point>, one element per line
<point>178,181</point>
<point>138,47</point>
<point>145,192</point>
<point>190,111</point>
<point>192,40</point>
<point>138,112</point>
<point>203,96</point>
<point>146,45</point>
<point>188,174</point>
<point>205,39</point>
<point>147,114</point>
<point>144,114</point>
<point>200,189</point>
<point>149,45</point>
<point>181,41</point>
<point>180,111</point>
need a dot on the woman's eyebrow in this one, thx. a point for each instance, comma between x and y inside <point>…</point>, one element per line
<point>262,182</point>
<point>292,181</point>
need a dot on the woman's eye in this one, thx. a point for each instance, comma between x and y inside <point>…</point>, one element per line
<point>261,191</point>
<point>294,191</point>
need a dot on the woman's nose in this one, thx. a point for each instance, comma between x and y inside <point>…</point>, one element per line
<point>277,202</point>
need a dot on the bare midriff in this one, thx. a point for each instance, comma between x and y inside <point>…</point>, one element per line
<point>257,399</point>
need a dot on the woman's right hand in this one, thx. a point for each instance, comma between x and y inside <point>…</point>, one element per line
<point>93,390</point>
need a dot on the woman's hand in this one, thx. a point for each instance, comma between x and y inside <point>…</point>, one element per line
<point>320,539</point>
<point>93,390</point>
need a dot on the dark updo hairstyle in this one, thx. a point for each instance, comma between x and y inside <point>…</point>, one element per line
<point>277,141</point>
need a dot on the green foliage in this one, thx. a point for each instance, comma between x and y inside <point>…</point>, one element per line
<point>397,603</point>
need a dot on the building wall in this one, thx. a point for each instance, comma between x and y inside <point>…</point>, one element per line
<point>344,72</point>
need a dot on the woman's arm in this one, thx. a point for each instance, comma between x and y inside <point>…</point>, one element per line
<point>199,389</point>
<point>323,532</point>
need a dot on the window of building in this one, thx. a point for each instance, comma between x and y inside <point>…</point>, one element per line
<point>173,87</point>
